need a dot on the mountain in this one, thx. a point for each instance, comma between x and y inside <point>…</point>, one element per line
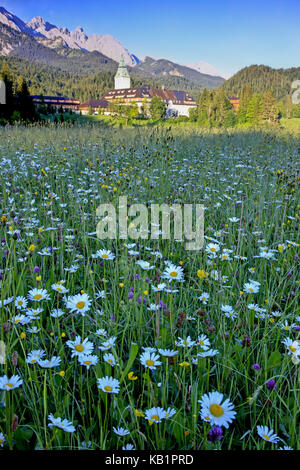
<point>208,69</point>
<point>262,78</point>
<point>75,53</point>
<point>51,36</point>
<point>164,67</point>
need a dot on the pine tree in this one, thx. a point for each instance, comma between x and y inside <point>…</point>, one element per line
<point>269,111</point>
<point>254,109</point>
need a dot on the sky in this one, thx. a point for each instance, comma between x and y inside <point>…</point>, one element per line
<point>228,34</point>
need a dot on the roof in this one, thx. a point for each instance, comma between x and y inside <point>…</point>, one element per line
<point>122,70</point>
<point>94,104</point>
<point>177,97</point>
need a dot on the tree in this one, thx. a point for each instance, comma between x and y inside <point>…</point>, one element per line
<point>90,110</point>
<point>157,108</point>
<point>254,109</point>
<point>245,97</point>
<point>269,109</point>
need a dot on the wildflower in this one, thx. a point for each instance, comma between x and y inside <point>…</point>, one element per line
<point>185,343</point>
<point>20,303</point>
<point>270,384</point>
<point>37,295</point>
<point>131,376</point>
<point>293,347</point>
<point>109,385</point>
<point>128,447</point>
<point>204,297</point>
<point>216,412</point>
<point>2,439</point>
<point>9,384</point>
<point>106,255</point>
<point>34,356</point>
<point>256,366</point>
<point>109,358</point>
<point>87,360</point>
<point>267,434</point>
<point>64,424</point>
<point>79,347</point>
<point>145,265</point>
<point>173,272</point>
<point>50,364</point>
<point>150,360</point>
<point>202,274</point>
<point>155,415</point>
<point>79,303</point>
<point>121,431</point>
<point>168,352</point>
<point>212,249</point>
<point>108,344</point>
<point>215,434</point>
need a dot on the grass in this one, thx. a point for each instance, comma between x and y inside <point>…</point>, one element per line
<point>52,181</point>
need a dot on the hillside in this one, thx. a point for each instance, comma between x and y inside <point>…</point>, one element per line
<point>262,78</point>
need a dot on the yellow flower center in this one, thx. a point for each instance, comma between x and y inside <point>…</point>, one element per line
<point>216,410</point>
<point>150,362</point>
<point>292,349</point>
<point>250,289</point>
<point>79,348</point>
<point>80,305</point>
<point>212,249</point>
<point>266,437</point>
<point>20,302</point>
<point>87,363</point>
<point>107,388</point>
<point>155,418</point>
<point>37,297</point>
<point>173,274</point>
<point>9,385</point>
<point>105,256</point>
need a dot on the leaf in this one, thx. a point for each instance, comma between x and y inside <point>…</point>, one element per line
<point>132,356</point>
<point>274,360</point>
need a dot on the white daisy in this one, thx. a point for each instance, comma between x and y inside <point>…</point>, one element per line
<point>216,412</point>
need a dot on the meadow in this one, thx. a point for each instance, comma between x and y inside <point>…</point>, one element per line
<point>123,344</point>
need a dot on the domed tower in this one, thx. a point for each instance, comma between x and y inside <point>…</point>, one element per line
<point>122,78</point>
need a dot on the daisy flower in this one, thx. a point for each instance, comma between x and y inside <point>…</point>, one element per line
<point>106,255</point>
<point>168,352</point>
<point>79,347</point>
<point>109,358</point>
<point>155,415</point>
<point>150,360</point>
<point>108,344</point>
<point>88,361</point>
<point>204,297</point>
<point>145,265</point>
<point>2,439</point>
<point>173,272</point>
<point>292,346</point>
<point>20,303</point>
<point>121,431</point>
<point>9,384</point>
<point>109,385</point>
<point>34,356</point>
<point>128,447</point>
<point>37,295</point>
<point>214,410</point>
<point>79,303</point>
<point>50,363</point>
<point>267,434</point>
<point>63,424</point>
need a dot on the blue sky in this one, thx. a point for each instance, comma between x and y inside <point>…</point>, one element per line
<point>228,34</point>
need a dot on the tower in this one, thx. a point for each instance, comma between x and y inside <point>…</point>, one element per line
<point>122,78</point>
